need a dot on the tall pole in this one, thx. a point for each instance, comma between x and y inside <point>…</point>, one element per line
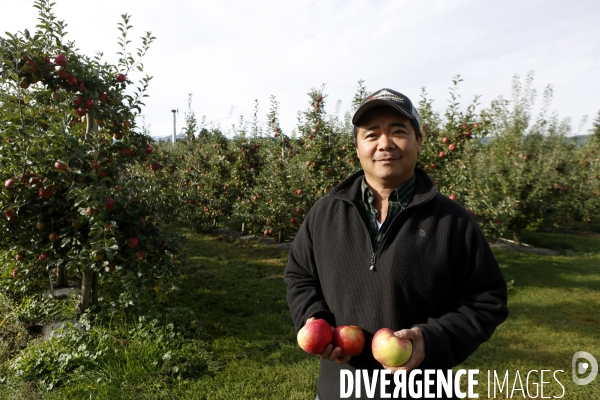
<point>174,125</point>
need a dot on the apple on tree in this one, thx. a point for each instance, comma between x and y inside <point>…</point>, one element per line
<point>315,336</point>
<point>389,349</point>
<point>60,59</point>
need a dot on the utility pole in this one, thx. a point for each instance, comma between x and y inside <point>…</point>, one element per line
<point>174,125</point>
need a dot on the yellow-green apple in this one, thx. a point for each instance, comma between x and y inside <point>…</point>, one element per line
<point>389,349</point>
<point>314,336</point>
<point>350,339</point>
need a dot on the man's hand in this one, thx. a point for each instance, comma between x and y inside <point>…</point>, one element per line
<point>418,349</point>
<point>332,353</point>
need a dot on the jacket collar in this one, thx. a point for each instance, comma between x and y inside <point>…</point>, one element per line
<point>349,189</point>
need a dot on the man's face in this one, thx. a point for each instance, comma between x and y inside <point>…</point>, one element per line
<point>387,146</point>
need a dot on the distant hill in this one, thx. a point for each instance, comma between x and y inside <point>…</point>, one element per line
<point>580,140</point>
<point>168,138</point>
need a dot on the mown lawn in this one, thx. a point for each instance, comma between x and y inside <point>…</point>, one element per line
<point>237,341</point>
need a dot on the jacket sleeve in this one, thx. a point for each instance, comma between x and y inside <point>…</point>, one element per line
<point>304,295</point>
<point>480,305</point>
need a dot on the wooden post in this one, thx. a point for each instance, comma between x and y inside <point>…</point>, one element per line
<point>243,228</point>
<point>89,291</point>
<point>61,277</point>
<point>280,237</point>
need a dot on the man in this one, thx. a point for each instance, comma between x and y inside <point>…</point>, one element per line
<point>386,250</point>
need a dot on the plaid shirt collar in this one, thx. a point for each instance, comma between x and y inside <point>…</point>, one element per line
<point>398,200</point>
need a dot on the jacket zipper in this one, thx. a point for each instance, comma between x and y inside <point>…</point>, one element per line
<point>375,255</point>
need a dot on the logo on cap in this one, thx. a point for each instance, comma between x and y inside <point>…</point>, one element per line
<point>385,95</point>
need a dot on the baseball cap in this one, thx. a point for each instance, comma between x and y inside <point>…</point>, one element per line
<point>391,98</point>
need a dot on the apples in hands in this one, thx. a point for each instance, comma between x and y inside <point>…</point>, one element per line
<point>314,336</point>
<point>389,349</point>
<point>351,339</point>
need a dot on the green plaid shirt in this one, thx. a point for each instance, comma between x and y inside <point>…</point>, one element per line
<point>398,200</point>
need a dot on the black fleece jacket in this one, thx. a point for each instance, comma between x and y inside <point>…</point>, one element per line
<point>434,270</point>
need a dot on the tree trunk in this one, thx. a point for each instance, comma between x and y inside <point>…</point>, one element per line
<point>280,237</point>
<point>517,236</point>
<point>61,277</point>
<point>89,291</point>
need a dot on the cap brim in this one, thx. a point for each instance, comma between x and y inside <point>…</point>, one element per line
<point>378,102</point>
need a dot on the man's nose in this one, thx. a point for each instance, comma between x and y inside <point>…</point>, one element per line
<point>385,142</point>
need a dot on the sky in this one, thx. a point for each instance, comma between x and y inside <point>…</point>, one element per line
<point>229,53</point>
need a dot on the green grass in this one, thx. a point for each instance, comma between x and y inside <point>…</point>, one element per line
<point>235,336</point>
<point>554,306</point>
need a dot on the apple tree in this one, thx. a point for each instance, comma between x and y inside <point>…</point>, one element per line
<point>521,176</point>
<point>69,143</point>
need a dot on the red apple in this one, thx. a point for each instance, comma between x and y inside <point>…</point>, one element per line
<point>43,257</point>
<point>53,236</point>
<point>90,211</point>
<point>452,197</point>
<point>89,104</point>
<point>155,167</point>
<point>60,59</point>
<point>62,73</point>
<point>110,204</point>
<point>60,166</point>
<point>46,193</point>
<point>351,339</point>
<point>445,140</point>
<point>140,255</point>
<point>41,225</point>
<point>451,147</point>
<point>77,101</point>
<point>314,336</point>
<point>149,149</point>
<point>442,154</point>
<point>390,350</point>
<point>133,242</point>
<point>103,97</point>
<point>15,273</point>
<point>121,78</point>
<point>72,80</point>
<point>8,183</point>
